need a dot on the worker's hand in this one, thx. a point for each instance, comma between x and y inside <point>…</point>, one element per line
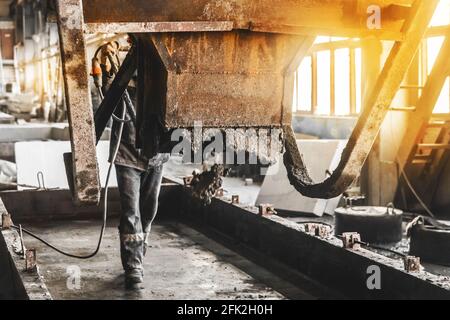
<point>109,55</point>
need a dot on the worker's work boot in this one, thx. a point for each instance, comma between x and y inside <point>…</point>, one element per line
<point>134,280</point>
<point>132,255</point>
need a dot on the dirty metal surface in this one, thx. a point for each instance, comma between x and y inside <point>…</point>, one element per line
<point>430,244</point>
<point>223,79</point>
<point>371,118</point>
<point>73,55</point>
<point>237,78</point>
<point>267,15</point>
<point>147,27</point>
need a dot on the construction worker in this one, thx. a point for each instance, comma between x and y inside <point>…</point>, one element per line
<point>139,178</point>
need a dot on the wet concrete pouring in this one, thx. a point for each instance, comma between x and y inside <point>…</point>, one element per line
<point>181,264</point>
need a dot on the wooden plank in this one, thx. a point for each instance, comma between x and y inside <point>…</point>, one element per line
<point>421,161</point>
<point>330,31</point>
<point>422,157</point>
<point>437,31</point>
<point>441,116</point>
<point>340,44</point>
<point>434,146</point>
<point>78,98</point>
<point>437,124</point>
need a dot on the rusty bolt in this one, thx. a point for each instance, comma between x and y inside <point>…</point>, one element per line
<point>6,221</point>
<point>351,240</point>
<point>187,180</point>
<point>30,260</point>
<point>323,231</point>
<point>219,193</point>
<point>266,210</point>
<point>235,199</point>
<point>412,264</point>
<point>310,228</point>
<point>318,230</point>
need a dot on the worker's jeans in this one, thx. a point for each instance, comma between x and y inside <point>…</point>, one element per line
<point>139,192</point>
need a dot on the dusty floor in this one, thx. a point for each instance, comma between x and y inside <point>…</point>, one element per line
<point>181,264</point>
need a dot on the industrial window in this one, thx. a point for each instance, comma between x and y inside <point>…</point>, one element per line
<point>328,81</point>
<point>430,50</point>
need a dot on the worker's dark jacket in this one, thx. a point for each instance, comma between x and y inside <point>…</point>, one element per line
<point>128,155</point>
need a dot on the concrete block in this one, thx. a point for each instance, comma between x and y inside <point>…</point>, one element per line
<point>6,118</point>
<point>47,157</point>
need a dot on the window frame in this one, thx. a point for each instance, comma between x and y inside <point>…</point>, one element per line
<point>331,46</point>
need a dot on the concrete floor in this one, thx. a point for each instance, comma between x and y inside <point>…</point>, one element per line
<point>181,264</point>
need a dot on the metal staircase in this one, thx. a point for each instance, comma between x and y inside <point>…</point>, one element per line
<point>425,148</point>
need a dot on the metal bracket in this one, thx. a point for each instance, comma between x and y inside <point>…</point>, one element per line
<point>266,210</point>
<point>318,230</point>
<point>310,228</point>
<point>412,264</point>
<point>6,221</point>
<point>412,224</point>
<point>349,200</point>
<point>235,199</point>
<point>30,260</point>
<point>323,231</point>
<point>351,240</point>
<point>220,193</point>
<point>187,180</point>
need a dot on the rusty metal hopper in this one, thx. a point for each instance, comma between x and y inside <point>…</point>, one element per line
<point>230,63</point>
<point>223,79</point>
